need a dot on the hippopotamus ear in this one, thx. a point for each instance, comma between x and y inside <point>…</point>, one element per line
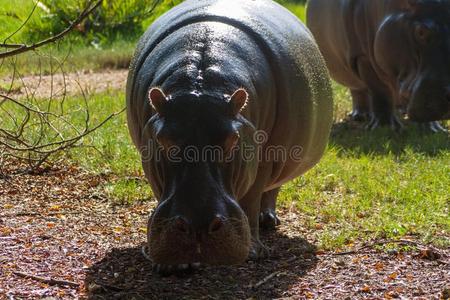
<point>238,101</point>
<point>158,99</point>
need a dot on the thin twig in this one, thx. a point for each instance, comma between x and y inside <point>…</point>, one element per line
<point>265,279</point>
<point>33,214</point>
<point>49,281</point>
<point>20,27</point>
<point>3,45</point>
<point>150,11</point>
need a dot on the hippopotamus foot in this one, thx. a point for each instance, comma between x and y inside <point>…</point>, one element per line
<point>392,121</point>
<point>167,270</point>
<point>435,127</point>
<point>258,250</point>
<point>359,116</point>
<point>268,219</point>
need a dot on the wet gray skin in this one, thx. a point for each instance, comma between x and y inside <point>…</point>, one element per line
<point>391,54</point>
<point>231,75</point>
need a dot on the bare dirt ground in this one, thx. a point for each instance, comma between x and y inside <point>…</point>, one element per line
<point>60,238</point>
<point>58,85</point>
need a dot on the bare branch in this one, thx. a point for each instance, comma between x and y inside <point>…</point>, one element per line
<point>50,281</point>
<point>3,45</point>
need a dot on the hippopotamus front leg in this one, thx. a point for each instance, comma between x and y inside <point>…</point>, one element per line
<point>251,204</point>
<point>382,108</point>
<point>361,105</point>
<point>268,218</point>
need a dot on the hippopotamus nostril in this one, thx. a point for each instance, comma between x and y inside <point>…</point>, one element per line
<point>216,224</point>
<point>181,224</point>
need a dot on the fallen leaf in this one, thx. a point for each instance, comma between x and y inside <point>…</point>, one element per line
<point>50,224</point>
<point>118,229</point>
<point>5,231</point>
<point>391,277</point>
<point>379,266</point>
<point>55,208</point>
<point>318,226</point>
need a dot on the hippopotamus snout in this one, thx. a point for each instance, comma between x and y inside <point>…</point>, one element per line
<point>217,233</point>
<point>430,101</point>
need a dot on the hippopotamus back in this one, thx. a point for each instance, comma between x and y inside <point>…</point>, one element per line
<point>195,56</point>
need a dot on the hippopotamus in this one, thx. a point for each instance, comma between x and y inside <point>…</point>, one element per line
<point>241,78</point>
<point>393,55</point>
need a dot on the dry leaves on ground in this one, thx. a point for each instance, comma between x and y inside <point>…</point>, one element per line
<point>59,226</point>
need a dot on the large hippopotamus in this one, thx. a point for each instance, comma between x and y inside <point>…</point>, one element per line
<point>246,80</point>
<point>390,54</point>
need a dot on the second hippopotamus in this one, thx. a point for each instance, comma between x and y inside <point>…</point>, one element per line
<point>391,54</point>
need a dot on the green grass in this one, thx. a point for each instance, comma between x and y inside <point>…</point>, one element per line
<point>69,58</point>
<point>368,184</point>
<point>111,151</point>
<point>296,9</point>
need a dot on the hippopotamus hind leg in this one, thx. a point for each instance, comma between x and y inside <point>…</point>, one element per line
<point>382,108</point>
<point>361,105</point>
<point>382,113</point>
<point>268,218</point>
<point>434,127</point>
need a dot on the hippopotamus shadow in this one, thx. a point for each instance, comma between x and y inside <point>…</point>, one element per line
<point>126,274</point>
<point>350,136</point>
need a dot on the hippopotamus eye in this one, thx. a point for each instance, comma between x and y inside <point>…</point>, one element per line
<point>423,33</point>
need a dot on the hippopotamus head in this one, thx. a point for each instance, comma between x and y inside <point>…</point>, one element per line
<point>197,218</point>
<point>412,47</point>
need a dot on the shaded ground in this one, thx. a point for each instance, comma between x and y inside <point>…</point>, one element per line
<point>58,225</point>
